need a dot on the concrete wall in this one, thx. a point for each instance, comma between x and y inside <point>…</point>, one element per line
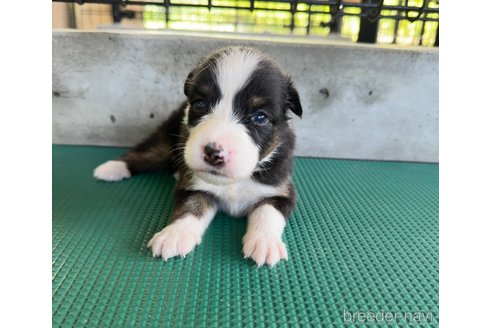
<point>360,102</point>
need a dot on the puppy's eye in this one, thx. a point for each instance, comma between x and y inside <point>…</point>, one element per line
<point>259,118</point>
<point>199,105</point>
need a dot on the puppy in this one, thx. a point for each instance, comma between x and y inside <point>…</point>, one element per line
<point>231,146</point>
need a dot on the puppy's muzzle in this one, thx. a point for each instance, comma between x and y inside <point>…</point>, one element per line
<point>214,155</point>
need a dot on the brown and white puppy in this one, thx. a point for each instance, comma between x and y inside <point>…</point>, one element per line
<point>231,146</point>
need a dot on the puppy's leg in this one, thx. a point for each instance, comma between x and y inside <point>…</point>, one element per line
<point>150,155</point>
<point>193,213</point>
<point>263,239</point>
<point>155,153</point>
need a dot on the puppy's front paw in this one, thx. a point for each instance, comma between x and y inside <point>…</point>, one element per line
<point>264,248</point>
<point>175,239</point>
<point>112,171</point>
<point>263,239</point>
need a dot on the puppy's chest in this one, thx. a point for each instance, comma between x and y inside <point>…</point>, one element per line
<point>236,199</point>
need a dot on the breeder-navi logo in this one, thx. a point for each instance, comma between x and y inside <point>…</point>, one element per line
<point>412,318</point>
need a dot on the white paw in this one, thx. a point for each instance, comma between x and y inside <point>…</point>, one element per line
<point>177,239</point>
<point>112,171</point>
<point>263,240</point>
<point>264,248</point>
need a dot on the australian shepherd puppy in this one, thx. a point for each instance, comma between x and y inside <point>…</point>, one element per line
<point>230,146</point>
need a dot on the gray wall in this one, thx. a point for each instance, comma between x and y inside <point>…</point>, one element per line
<point>360,102</point>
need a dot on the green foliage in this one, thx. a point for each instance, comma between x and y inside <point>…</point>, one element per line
<point>265,19</point>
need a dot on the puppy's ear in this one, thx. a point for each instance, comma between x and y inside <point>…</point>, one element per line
<point>188,83</point>
<point>293,102</point>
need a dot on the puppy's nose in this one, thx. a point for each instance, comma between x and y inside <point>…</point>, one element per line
<point>214,155</point>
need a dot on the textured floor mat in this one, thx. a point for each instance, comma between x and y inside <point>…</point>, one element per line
<point>362,243</point>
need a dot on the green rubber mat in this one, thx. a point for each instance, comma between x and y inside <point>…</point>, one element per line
<point>362,243</point>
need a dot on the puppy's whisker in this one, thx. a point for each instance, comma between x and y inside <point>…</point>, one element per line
<point>177,149</point>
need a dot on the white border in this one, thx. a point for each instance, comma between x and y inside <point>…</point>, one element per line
<point>25,230</point>
<point>465,170</point>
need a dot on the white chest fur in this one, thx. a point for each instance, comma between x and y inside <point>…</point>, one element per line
<point>236,198</point>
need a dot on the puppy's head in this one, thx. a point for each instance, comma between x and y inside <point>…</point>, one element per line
<point>239,101</point>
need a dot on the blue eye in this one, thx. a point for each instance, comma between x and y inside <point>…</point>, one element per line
<point>259,118</point>
<point>200,105</point>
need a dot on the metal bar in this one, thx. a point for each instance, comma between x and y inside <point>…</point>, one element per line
<point>370,13</point>
<point>334,23</point>
<point>395,30</point>
<point>166,5</point>
<point>287,10</point>
<point>116,13</point>
<point>293,10</point>
<point>348,5</point>
<point>368,30</point>
<point>436,42</point>
<point>421,34</point>
<point>233,21</point>
<point>72,20</point>
<point>308,27</point>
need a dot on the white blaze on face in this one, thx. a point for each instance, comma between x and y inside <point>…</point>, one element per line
<point>241,154</point>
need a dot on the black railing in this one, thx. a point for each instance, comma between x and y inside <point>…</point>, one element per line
<point>308,17</point>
